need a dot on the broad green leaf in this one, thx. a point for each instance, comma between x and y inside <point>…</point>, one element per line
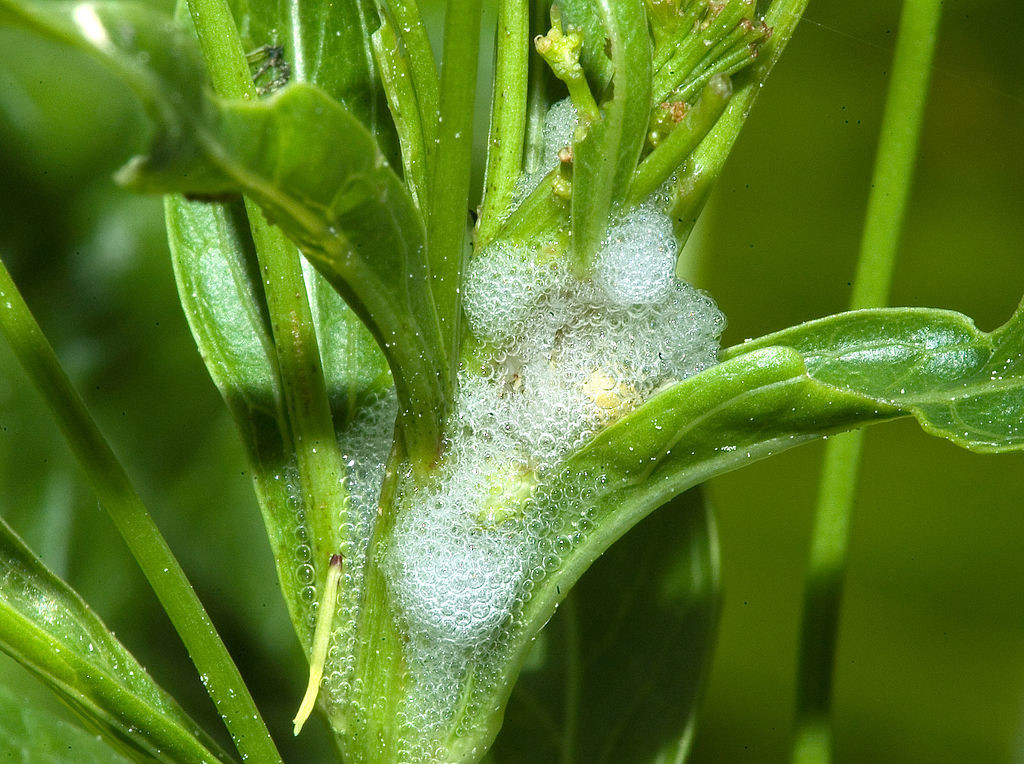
<point>49,629</point>
<point>313,167</point>
<point>617,673</point>
<point>606,151</point>
<point>326,43</point>
<point>960,383</point>
<point>316,172</point>
<point>727,416</point>
<point>29,733</point>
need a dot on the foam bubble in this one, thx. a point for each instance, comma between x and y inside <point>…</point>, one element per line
<point>637,260</point>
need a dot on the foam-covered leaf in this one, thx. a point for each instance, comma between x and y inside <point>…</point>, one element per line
<point>958,382</point>
<point>50,630</point>
<point>617,673</point>
<point>607,149</point>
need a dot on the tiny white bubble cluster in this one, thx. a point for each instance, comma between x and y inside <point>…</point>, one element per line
<point>364,446</point>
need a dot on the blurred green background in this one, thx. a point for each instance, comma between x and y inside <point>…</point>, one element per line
<point>931,653</point>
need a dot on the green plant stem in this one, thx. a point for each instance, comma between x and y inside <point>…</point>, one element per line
<point>409,27</point>
<point>684,138</point>
<point>449,189</point>
<point>320,466</point>
<point>508,116</point>
<point>887,202</point>
<point>121,501</point>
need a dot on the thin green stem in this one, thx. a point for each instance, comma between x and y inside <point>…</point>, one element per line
<point>508,116</point>
<point>319,461</point>
<point>320,466</point>
<point>409,26</point>
<point>121,501</point>
<point>684,138</point>
<point>887,202</point>
<point>449,196</point>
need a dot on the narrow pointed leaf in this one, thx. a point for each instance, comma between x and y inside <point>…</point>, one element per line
<point>49,629</point>
<point>606,151</point>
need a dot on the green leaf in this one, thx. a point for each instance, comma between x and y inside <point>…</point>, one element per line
<point>308,162</point>
<point>316,172</point>
<point>29,732</point>
<point>617,673</point>
<point>958,382</point>
<point>218,284</point>
<point>606,154</point>
<point>586,16</point>
<point>326,43</point>
<point>727,416</point>
<point>49,629</point>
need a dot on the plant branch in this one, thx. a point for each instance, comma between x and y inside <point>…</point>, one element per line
<point>508,116</point>
<point>449,190</point>
<point>119,498</point>
<point>887,202</point>
<point>696,179</point>
<point>320,467</point>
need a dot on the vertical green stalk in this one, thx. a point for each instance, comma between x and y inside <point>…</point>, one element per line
<point>121,501</point>
<point>320,466</point>
<point>508,116</point>
<point>890,189</point>
<point>449,189</point>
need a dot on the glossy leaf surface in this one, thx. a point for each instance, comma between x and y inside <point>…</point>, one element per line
<point>960,383</point>
<point>48,628</point>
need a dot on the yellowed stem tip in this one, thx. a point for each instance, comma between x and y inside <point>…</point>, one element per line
<point>321,641</point>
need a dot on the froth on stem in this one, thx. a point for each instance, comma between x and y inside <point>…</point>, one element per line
<point>321,641</point>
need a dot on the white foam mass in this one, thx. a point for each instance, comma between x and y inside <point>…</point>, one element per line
<point>562,358</point>
<point>636,264</point>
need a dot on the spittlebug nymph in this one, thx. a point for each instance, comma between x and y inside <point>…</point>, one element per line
<point>321,640</point>
<point>269,59</point>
